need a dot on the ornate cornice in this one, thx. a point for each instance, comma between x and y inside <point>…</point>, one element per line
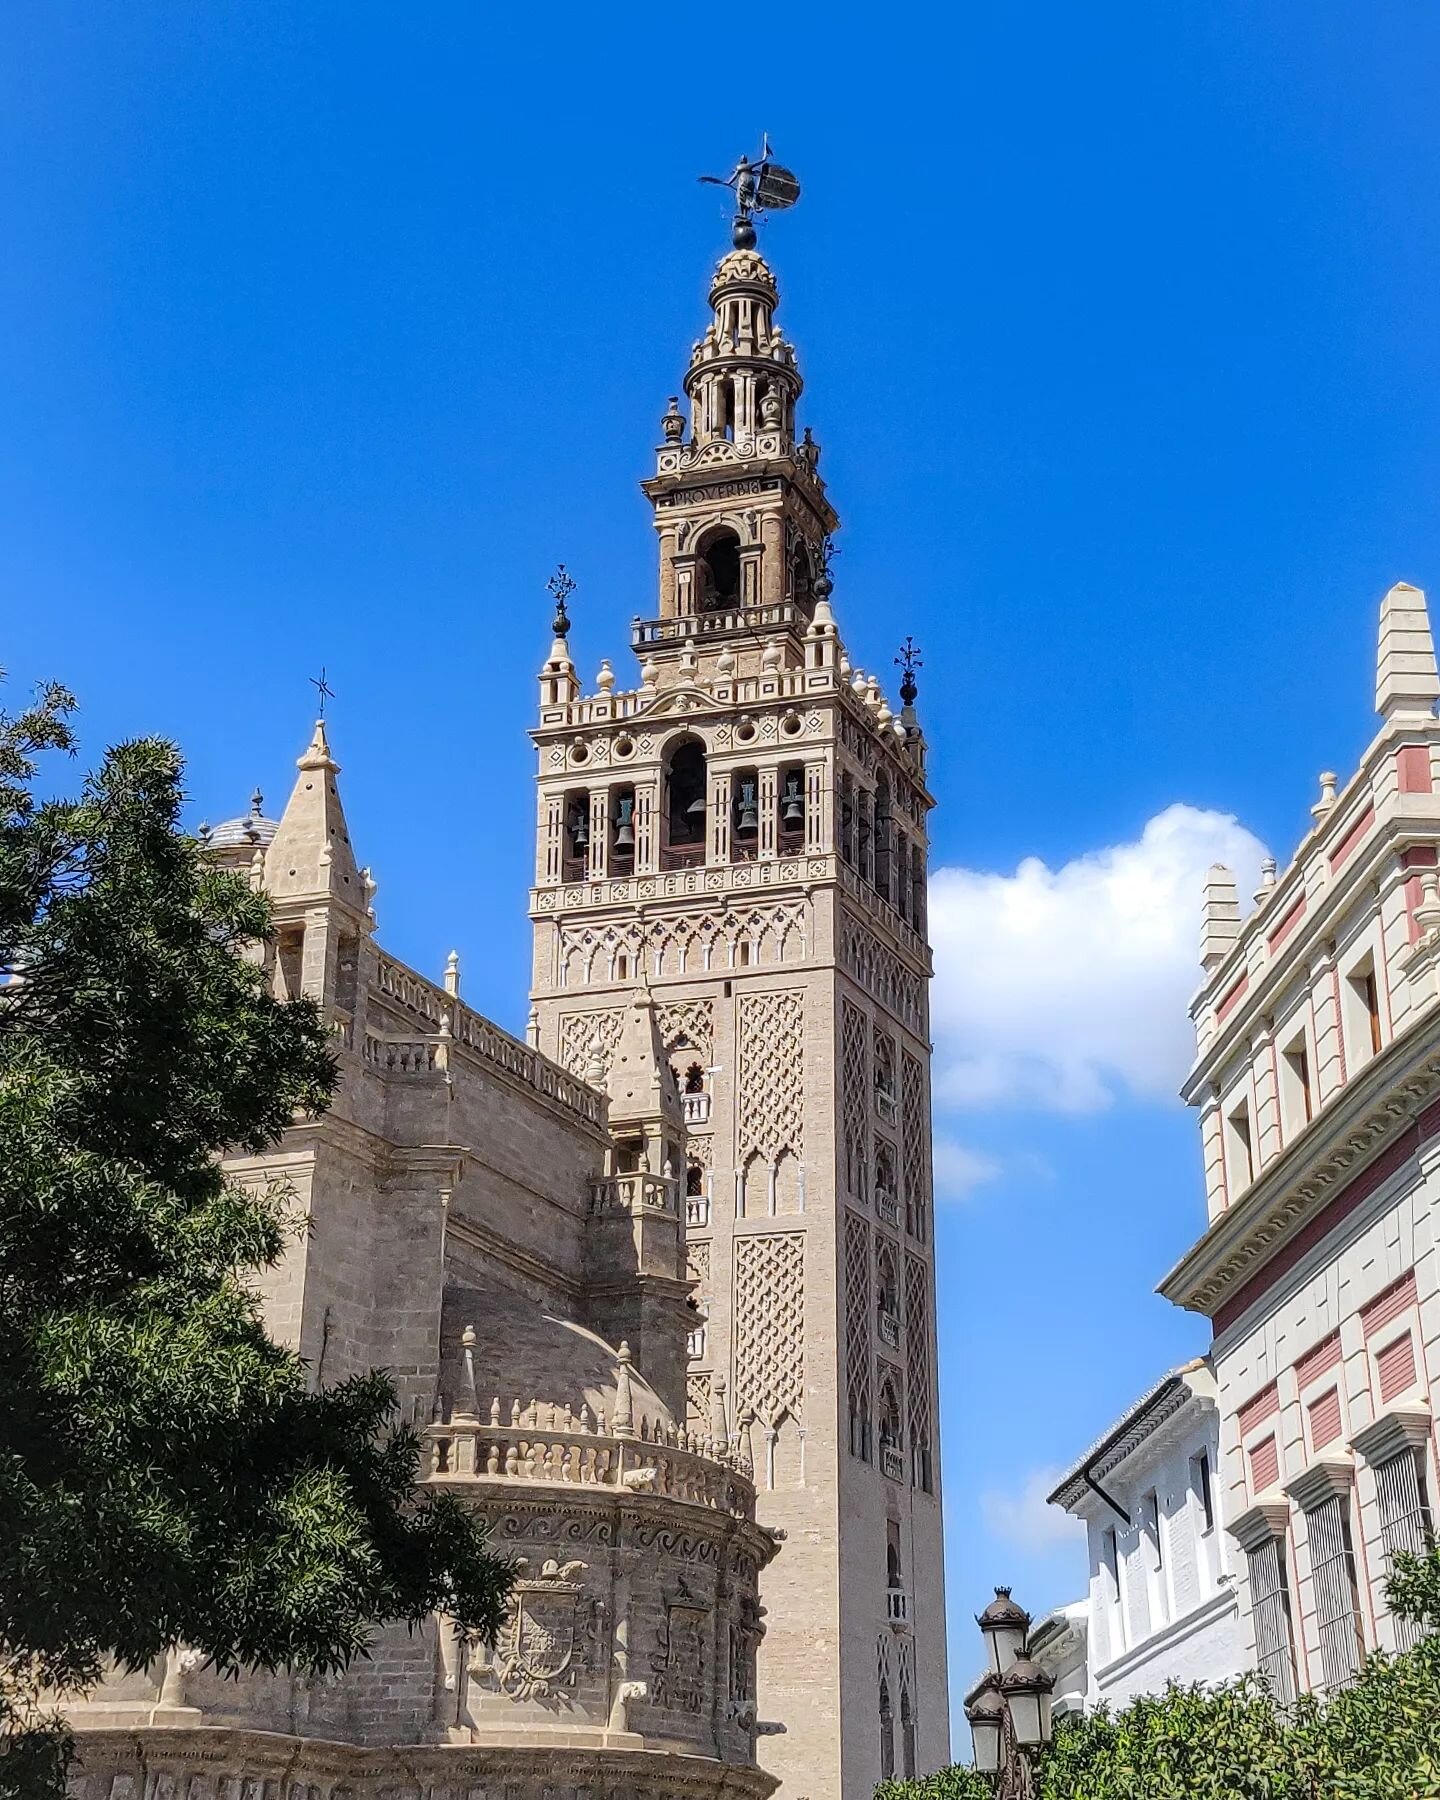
<point>1368,1116</point>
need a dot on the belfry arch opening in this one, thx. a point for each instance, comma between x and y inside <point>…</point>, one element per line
<point>685,802</point>
<point>719,571</point>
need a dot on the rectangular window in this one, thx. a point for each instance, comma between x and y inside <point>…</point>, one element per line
<point>1239,1152</point>
<point>1337,1602</point>
<point>1150,1515</point>
<point>1360,1004</point>
<point>1200,1487</point>
<point>1395,1368</point>
<point>1264,1465</point>
<point>1403,1501</point>
<point>1296,1103</point>
<point>1270,1608</point>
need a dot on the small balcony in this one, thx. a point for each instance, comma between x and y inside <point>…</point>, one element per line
<point>885,1104</point>
<point>889,1327</point>
<point>696,1108</point>
<point>697,1211</point>
<point>887,1206</point>
<point>695,1344</point>
<point>892,1462</point>
<point>897,1606</point>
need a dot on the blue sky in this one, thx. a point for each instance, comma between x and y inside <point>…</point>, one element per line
<point>326,331</point>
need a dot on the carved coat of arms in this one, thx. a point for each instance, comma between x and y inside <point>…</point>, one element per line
<point>544,1644</point>
<point>679,1661</point>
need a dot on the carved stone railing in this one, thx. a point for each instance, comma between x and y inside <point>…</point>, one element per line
<point>696,1108</point>
<point>892,1462</point>
<point>567,1452</point>
<point>647,632</point>
<point>887,1206</point>
<point>630,1193</point>
<point>448,1018</point>
<point>889,1328</point>
<point>407,1056</point>
<point>897,1606</point>
<point>697,1211</point>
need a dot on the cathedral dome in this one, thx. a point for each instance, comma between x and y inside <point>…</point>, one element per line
<point>524,1352</point>
<point>250,829</point>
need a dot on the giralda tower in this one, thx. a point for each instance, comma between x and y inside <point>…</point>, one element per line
<point>740,834</point>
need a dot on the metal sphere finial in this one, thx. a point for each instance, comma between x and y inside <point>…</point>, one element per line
<point>908,661</point>
<point>561,584</point>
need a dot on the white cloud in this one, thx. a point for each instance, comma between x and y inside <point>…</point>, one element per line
<point>958,1168</point>
<point>1059,988</point>
<point>1023,1518</point>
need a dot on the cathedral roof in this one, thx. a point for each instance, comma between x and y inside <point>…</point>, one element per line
<point>527,1353</point>
<point>246,832</point>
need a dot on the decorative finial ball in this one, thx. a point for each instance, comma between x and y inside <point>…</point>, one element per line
<point>673,423</point>
<point>605,680</point>
<point>742,234</point>
<point>823,587</point>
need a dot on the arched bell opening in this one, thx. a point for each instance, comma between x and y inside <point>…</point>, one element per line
<point>802,577</point>
<point>792,808</point>
<point>575,849</point>
<point>744,815</point>
<point>685,806</point>
<point>622,831</point>
<point>718,570</point>
<point>882,837</point>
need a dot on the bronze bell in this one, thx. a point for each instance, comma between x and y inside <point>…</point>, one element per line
<point>696,808</point>
<point>624,829</point>
<point>792,807</point>
<point>579,828</point>
<point>747,821</point>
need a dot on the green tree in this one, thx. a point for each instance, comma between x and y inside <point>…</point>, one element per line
<point>165,1475</point>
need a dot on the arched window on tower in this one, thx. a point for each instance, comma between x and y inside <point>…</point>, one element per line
<point>902,876</point>
<point>719,571</point>
<point>744,815</point>
<point>917,888</point>
<point>685,804</point>
<point>802,577</point>
<point>882,838</point>
<point>847,818</point>
<point>575,847</point>
<point>907,1734</point>
<point>622,831</point>
<point>887,1734</point>
<point>792,808</point>
<point>725,408</point>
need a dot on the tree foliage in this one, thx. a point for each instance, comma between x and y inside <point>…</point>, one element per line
<point>1377,1739</point>
<point>166,1475</point>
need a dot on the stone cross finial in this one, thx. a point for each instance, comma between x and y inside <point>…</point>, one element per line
<point>622,1421</point>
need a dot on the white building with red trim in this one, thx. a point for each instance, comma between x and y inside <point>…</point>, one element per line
<point>1317,1080</point>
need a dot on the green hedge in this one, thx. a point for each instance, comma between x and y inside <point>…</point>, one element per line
<point>1378,1739</point>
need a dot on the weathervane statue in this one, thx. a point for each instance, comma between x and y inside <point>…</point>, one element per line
<point>759,186</point>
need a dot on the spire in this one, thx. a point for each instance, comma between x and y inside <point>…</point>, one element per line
<point>310,853</point>
<point>558,682</point>
<point>1220,917</point>
<point>1406,680</point>
<point>641,1082</point>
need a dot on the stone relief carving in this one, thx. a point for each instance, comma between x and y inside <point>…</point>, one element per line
<point>589,1038</point>
<point>770,1324</point>
<point>855,1098</point>
<point>678,1664</point>
<point>917,1347</point>
<point>551,1635</point>
<point>688,1025</point>
<point>772,1076</point>
<point>857,1317</point>
<point>629,950</point>
<point>914,1123</point>
<point>880,971</point>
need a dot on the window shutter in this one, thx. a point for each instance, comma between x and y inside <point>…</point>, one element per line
<point>1325,1419</point>
<point>1270,1608</point>
<point>1404,1522</point>
<point>1264,1465</point>
<point>1395,1366</point>
<point>1333,1574</point>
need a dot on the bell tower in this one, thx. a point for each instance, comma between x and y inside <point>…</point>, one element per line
<point>735,843</point>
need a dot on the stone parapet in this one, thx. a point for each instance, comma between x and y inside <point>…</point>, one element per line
<point>220,1764</point>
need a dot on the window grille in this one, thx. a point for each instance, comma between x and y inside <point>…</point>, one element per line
<point>1405,1524</point>
<point>1337,1620</point>
<point>1270,1606</point>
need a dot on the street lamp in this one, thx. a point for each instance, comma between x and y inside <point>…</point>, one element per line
<point>1010,1714</point>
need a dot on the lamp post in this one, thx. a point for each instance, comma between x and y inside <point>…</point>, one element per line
<point>1010,1715</point>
